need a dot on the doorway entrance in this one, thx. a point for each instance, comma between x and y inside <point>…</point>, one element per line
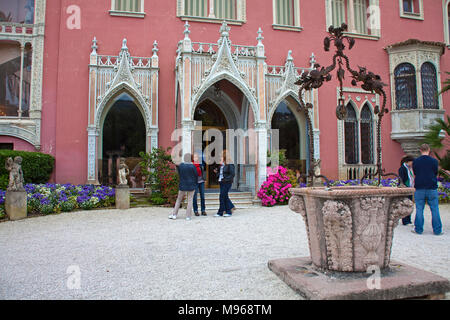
<point>123,137</point>
<point>292,136</point>
<point>211,117</point>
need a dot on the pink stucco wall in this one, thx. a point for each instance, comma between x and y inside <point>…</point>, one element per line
<point>65,89</point>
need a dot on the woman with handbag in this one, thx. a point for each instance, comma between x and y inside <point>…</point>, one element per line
<point>225,176</point>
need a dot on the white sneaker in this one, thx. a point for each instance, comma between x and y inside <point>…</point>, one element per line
<point>173,217</point>
<point>188,218</point>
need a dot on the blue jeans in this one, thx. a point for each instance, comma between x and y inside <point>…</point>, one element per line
<point>431,196</point>
<point>200,189</point>
<point>225,202</point>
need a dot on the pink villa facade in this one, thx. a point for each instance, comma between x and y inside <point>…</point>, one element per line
<point>177,62</point>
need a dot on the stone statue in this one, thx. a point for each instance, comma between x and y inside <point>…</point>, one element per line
<point>15,173</point>
<point>123,172</point>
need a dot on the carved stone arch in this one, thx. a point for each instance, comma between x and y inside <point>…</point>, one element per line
<point>355,107</point>
<point>241,85</point>
<point>230,113</point>
<point>371,108</point>
<point>20,133</point>
<point>106,104</point>
<point>281,98</point>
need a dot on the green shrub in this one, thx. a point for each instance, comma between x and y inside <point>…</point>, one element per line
<point>161,172</point>
<point>37,167</point>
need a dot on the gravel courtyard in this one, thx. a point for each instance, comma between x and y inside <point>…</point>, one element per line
<point>140,254</point>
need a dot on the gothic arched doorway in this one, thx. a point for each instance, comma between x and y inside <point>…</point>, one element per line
<point>123,136</point>
<point>211,117</point>
<point>290,134</point>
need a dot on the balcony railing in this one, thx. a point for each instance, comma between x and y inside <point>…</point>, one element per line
<point>357,171</point>
<point>11,28</point>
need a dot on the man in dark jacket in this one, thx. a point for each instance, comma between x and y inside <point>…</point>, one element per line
<point>187,185</point>
<point>406,175</point>
<point>425,170</point>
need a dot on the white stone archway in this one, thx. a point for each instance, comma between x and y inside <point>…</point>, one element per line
<point>110,76</point>
<point>199,65</point>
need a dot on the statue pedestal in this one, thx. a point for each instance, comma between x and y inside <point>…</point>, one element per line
<point>122,197</point>
<point>16,204</point>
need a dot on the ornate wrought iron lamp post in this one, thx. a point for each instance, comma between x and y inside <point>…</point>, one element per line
<point>315,78</point>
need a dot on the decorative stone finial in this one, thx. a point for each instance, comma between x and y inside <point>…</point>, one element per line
<point>94,47</point>
<point>155,49</point>
<point>186,30</point>
<point>260,37</point>
<point>289,56</point>
<point>312,60</point>
<point>224,30</point>
<point>124,44</point>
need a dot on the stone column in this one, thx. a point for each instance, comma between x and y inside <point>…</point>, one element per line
<point>261,170</point>
<point>152,138</point>
<point>22,50</point>
<point>186,139</point>
<point>92,176</point>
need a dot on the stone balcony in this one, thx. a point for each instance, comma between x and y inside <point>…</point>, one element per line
<point>410,126</point>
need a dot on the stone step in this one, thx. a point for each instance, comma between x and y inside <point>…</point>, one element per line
<point>234,195</point>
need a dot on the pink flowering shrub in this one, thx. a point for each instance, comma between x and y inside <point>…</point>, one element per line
<point>275,190</point>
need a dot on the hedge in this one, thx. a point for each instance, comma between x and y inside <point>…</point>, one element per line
<point>37,167</point>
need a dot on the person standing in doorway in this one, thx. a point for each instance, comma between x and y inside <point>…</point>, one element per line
<point>201,176</point>
<point>407,178</point>
<point>226,176</point>
<point>425,169</point>
<point>188,182</point>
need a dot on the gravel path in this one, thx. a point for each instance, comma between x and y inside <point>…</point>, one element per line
<point>140,254</point>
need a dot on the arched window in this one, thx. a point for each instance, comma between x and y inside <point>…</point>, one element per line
<point>429,86</point>
<point>366,128</point>
<point>405,86</point>
<point>285,121</point>
<point>351,136</point>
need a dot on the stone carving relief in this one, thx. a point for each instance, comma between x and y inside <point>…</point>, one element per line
<point>371,227</point>
<point>399,208</point>
<point>297,204</point>
<point>337,219</point>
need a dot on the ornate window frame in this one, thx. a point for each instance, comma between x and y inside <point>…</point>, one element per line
<point>358,98</point>
<point>415,52</point>
<point>29,128</point>
<point>241,16</point>
<point>373,19</point>
<point>296,26</point>
<point>445,15</point>
<point>410,126</point>
<point>138,14</point>
<point>412,15</point>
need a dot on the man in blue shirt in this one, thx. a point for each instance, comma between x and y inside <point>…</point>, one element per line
<point>425,170</point>
<point>187,185</point>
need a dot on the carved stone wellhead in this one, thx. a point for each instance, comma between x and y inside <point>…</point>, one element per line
<point>351,228</point>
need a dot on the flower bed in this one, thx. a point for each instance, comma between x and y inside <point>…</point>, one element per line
<point>54,198</point>
<point>444,191</point>
<point>275,190</point>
